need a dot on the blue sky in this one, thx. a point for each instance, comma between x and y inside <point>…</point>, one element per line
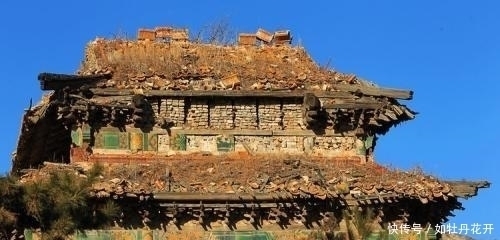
<point>448,52</point>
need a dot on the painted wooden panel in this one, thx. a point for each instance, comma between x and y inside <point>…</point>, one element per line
<point>225,143</point>
<point>124,140</point>
<point>360,147</point>
<point>369,142</point>
<point>163,142</point>
<point>240,235</point>
<point>153,235</point>
<point>179,142</point>
<point>86,134</point>
<point>136,141</point>
<point>152,141</point>
<point>145,142</point>
<point>77,137</point>
<point>111,140</point>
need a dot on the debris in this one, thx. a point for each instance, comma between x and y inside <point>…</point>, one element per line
<point>264,35</point>
<point>247,39</point>
<point>230,82</point>
<point>146,34</point>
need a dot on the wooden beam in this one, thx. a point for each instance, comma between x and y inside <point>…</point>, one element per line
<point>247,132</point>
<point>54,81</point>
<point>191,196</point>
<point>466,189</point>
<point>197,93</point>
<point>222,93</point>
<point>310,133</point>
<point>345,92</point>
<point>375,91</point>
<point>353,104</point>
<point>224,205</point>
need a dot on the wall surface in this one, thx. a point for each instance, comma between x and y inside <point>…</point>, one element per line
<point>221,125</point>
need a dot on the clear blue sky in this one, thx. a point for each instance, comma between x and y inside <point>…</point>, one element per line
<point>448,52</point>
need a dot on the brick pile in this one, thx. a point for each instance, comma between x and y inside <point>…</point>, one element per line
<point>292,110</point>
<point>221,114</point>
<point>245,114</point>
<point>270,115</point>
<point>173,108</point>
<point>198,114</point>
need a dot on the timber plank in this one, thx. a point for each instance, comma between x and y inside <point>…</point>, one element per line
<point>344,91</point>
<point>353,105</point>
<point>375,91</point>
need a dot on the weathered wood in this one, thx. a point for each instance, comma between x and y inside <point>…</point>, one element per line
<point>311,102</point>
<point>349,93</point>
<point>221,93</point>
<point>352,105</point>
<point>397,110</point>
<point>223,132</point>
<point>197,93</point>
<point>384,118</point>
<point>408,113</point>
<point>310,133</point>
<point>344,229</point>
<point>353,230</point>
<point>190,196</point>
<point>105,100</point>
<point>224,205</point>
<point>374,91</point>
<point>243,132</point>
<point>54,81</point>
<point>391,115</point>
<point>466,189</point>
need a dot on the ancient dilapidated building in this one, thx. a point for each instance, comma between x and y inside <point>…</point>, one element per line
<point>252,136</point>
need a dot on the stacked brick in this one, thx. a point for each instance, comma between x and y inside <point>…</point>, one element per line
<point>292,110</point>
<point>335,143</point>
<point>173,108</point>
<point>256,144</point>
<point>345,143</point>
<point>245,114</point>
<point>155,106</point>
<point>290,144</point>
<point>198,114</point>
<point>270,114</point>
<point>221,114</point>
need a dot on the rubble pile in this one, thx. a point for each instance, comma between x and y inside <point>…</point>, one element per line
<point>154,65</point>
<point>318,179</point>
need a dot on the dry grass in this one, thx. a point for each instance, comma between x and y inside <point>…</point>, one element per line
<point>278,64</point>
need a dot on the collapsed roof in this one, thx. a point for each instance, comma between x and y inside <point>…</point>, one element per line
<point>162,63</point>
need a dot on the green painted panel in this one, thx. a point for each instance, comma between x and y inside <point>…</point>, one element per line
<point>106,235</point>
<point>28,234</point>
<point>179,142</point>
<point>225,143</point>
<point>426,234</point>
<point>111,140</point>
<point>369,142</point>
<point>246,235</point>
<point>76,136</point>
<point>361,150</point>
<point>378,236</point>
<point>155,235</point>
<point>145,141</point>
<point>86,134</point>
